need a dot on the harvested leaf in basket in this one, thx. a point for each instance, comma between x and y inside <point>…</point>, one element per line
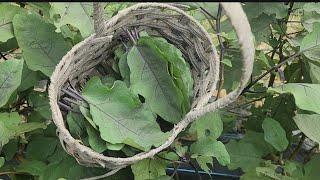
<point>150,76</point>
<point>120,116</point>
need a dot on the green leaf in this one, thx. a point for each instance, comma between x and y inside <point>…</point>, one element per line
<point>314,70</point>
<point>312,168</point>
<point>150,78</point>
<point>307,96</point>
<point>203,162</point>
<point>76,124</point>
<point>44,7</point>
<point>271,173</point>
<point>178,68</point>
<point>243,155</point>
<point>149,169</point>
<point>40,148</point>
<point>11,126</point>
<point>252,175</point>
<point>275,134</point>
<point>124,68</point>
<point>7,12</point>
<point>260,27</point>
<point>255,9</point>
<point>248,152</point>
<point>211,148</point>
<point>120,116</point>
<point>282,108</point>
<point>293,169</point>
<point>10,149</point>
<point>40,103</point>
<point>309,124</point>
<point>42,47</point>
<point>208,126</point>
<point>309,7</point>
<point>2,160</point>
<point>10,78</point>
<point>32,167</point>
<point>29,78</point>
<point>95,141</point>
<point>78,14</point>
<point>310,44</point>
<point>309,19</point>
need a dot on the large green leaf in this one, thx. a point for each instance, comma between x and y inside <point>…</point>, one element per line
<point>7,12</point>
<point>40,103</point>
<point>310,45</point>
<point>253,10</point>
<point>260,27</point>
<point>29,78</point>
<point>120,116</point>
<point>311,49</point>
<point>243,155</point>
<point>95,141</point>
<point>211,148</point>
<point>248,152</point>
<point>42,47</point>
<point>32,167</point>
<point>307,96</point>
<point>282,108</point>
<point>309,7</point>
<point>11,126</point>
<point>149,169</point>
<point>208,126</point>
<point>275,134</point>
<point>309,124</point>
<point>203,162</point>
<point>314,70</point>
<point>312,168</point>
<point>40,148</point>
<point>150,78</point>
<point>178,68</point>
<point>76,124</point>
<point>10,78</point>
<point>78,14</point>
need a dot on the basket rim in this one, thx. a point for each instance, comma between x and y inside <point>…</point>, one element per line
<point>114,162</point>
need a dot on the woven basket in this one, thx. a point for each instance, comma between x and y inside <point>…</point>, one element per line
<point>181,30</point>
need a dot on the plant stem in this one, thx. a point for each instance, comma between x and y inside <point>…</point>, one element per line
<point>222,50</point>
<point>281,43</point>
<point>297,149</point>
<point>271,69</point>
<point>196,169</point>
<point>206,12</point>
<point>3,56</point>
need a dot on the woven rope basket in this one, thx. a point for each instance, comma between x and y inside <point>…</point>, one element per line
<point>181,30</point>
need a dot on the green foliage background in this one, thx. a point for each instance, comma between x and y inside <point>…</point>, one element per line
<point>283,96</point>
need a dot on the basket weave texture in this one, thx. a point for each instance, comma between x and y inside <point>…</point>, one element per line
<point>181,30</point>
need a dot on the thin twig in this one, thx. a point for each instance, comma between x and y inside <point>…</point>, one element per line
<point>249,102</point>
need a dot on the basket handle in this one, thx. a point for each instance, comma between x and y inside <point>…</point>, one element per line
<point>99,23</point>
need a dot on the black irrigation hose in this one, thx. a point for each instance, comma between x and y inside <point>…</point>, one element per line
<point>180,170</point>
